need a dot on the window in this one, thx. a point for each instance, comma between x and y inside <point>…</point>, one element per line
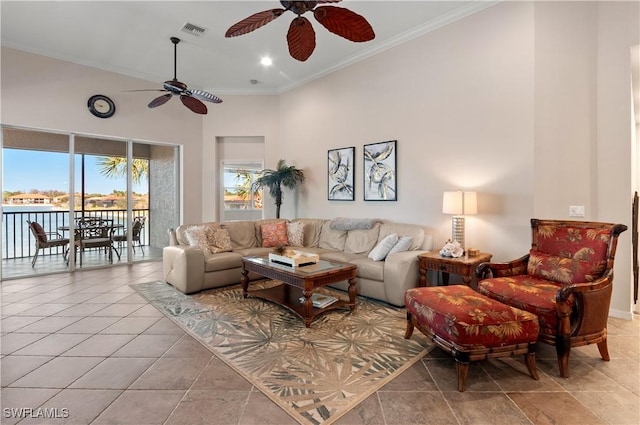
<point>238,179</point>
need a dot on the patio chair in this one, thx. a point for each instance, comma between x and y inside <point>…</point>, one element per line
<point>45,240</point>
<point>136,229</point>
<point>92,232</point>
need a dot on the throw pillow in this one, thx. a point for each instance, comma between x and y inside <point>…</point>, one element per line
<point>563,270</point>
<point>274,234</point>
<point>295,233</point>
<point>197,236</point>
<point>219,240</point>
<point>403,245</point>
<point>380,251</point>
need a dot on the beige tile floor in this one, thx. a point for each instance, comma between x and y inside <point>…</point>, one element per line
<point>87,345</point>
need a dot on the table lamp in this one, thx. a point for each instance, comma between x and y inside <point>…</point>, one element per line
<point>459,204</point>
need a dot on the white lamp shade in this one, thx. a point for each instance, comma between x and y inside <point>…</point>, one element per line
<point>459,202</point>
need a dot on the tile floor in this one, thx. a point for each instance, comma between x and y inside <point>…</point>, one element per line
<point>88,347</point>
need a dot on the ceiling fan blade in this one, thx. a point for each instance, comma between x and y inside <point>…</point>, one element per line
<point>127,91</point>
<point>301,39</point>
<point>253,22</point>
<point>194,104</point>
<point>344,23</point>
<point>161,100</point>
<point>206,96</point>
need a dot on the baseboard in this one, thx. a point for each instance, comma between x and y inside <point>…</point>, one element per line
<point>619,314</point>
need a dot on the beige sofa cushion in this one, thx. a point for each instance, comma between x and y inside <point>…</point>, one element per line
<point>241,233</point>
<point>332,239</point>
<point>416,232</point>
<point>362,241</point>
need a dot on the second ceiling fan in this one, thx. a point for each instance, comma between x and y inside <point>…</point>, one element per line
<point>192,99</point>
<point>301,37</point>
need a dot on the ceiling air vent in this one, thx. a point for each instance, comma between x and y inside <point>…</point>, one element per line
<point>193,29</point>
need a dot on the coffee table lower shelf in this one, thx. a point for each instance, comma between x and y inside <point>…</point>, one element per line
<point>289,297</point>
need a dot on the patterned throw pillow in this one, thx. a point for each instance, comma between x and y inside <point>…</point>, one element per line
<point>295,233</point>
<point>563,270</point>
<point>197,236</point>
<point>274,234</point>
<point>219,240</point>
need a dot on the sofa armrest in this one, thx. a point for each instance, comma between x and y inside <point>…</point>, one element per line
<point>511,268</point>
<point>183,267</point>
<point>400,274</point>
<point>173,238</point>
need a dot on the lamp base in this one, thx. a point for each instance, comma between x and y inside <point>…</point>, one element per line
<point>457,229</point>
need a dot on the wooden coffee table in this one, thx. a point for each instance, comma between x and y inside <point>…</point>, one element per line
<point>299,282</point>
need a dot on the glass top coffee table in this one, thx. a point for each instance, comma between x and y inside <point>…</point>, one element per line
<point>299,283</point>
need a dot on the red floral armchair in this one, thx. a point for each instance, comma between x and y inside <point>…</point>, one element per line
<point>566,280</point>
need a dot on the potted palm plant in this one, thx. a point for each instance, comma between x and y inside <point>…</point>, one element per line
<point>284,175</point>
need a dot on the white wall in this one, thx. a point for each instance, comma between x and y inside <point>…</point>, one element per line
<point>459,101</point>
<point>526,103</point>
<point>583,119</point>
<point>618,31</point>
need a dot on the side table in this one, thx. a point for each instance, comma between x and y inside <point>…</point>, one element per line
<point>463,266</point>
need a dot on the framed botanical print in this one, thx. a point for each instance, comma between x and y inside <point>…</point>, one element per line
<point>380,182</point>
<point>340,174</point>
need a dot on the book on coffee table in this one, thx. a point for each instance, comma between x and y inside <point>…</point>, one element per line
<point>321,300</point>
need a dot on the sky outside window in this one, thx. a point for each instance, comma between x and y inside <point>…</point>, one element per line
<point>25,170</point>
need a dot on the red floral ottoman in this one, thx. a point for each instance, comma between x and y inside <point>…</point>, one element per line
<point>471,326</point>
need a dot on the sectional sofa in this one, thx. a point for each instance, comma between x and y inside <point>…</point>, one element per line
<point>208,255</point>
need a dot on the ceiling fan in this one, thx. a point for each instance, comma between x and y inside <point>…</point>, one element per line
<point>192,99</point>
<point>301,36</point>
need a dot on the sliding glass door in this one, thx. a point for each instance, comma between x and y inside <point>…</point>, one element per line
<point>63,182</point>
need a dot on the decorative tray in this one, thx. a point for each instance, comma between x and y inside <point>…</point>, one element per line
<point>294,258</point>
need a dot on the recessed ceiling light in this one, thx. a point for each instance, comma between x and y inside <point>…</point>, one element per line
<point>266,61</point>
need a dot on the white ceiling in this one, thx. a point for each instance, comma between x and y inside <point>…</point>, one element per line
<point>132,38</point>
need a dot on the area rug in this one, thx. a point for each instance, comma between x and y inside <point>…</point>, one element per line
<point>315,374</point>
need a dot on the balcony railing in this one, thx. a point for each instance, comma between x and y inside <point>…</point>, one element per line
<point>17,240</point>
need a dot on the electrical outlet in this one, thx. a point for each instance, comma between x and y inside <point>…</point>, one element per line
<point>576,211</point>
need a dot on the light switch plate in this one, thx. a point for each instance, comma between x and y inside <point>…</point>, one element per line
<point>576,211</point>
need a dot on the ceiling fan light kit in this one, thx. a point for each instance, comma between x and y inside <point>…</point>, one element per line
<point>301,37</point>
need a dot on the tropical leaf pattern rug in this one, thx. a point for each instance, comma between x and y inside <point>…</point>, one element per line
<point>315,374</point>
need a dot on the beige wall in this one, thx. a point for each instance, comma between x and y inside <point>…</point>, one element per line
<point>583,119</point>
<point>526,103</point>
<point>459,101</point>
<point>238,116</point>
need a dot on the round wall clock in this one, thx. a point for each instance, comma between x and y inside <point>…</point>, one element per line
<point>101,106</point>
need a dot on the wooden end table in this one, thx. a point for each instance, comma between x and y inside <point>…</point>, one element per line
<point>300,281</point>
<point>463,266</point>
